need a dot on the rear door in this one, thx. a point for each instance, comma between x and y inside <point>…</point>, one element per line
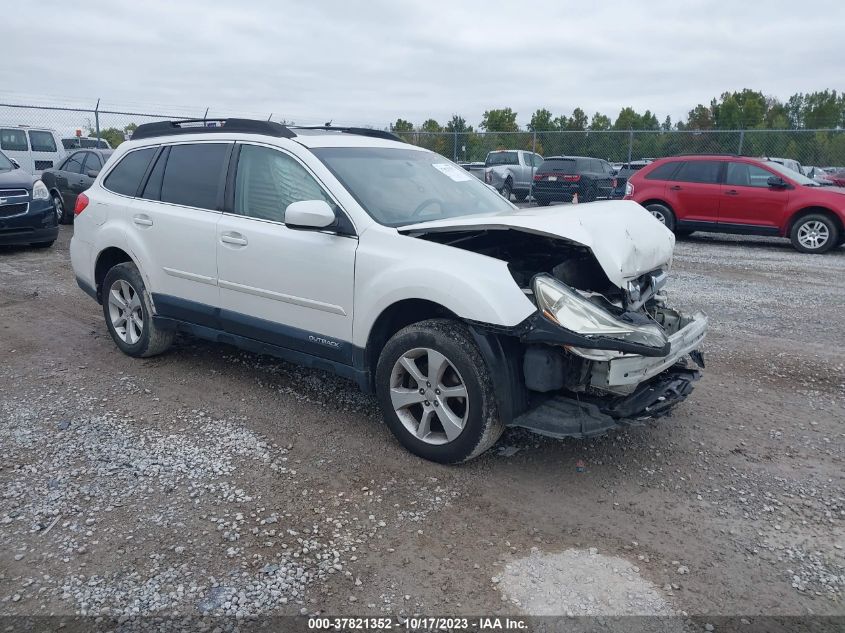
<point>747,198</point>
<point>288,287</point>
<point>67,178</point>
<point>695,192</point>
<point>174,221</point>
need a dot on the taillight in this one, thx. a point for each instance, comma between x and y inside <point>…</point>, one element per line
<point>614,183</point>
<point>81,203</point>
<point>488,178</point>
<point>537,177</point>
<point>572,177</point>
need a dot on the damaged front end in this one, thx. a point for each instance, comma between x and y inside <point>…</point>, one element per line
<point>597,354</point>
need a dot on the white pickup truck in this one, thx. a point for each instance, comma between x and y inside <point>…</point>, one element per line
<point>511,172</point>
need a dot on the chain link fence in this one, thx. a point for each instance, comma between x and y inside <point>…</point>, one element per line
<point>809,147</point>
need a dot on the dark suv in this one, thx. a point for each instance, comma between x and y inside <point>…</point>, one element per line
<point>27,215</point>
<point>559,178</point>
<point>738,194</point>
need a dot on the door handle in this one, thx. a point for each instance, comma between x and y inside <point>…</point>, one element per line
<point>142,220</point>
<point>236,239</point>
<point>732,192</point>
<point>675,188</point>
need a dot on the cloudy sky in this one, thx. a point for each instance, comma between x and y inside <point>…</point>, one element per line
<point>369,62</point>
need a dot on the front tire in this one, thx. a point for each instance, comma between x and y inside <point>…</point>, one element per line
<point>129,316</point>
<point>663,214</point>
<point>436,394</point>
<point>42,244</point>
<point>814,233</point>
<point>520,197</point>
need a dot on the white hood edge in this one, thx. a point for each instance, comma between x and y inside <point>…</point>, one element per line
<point>626,239</point>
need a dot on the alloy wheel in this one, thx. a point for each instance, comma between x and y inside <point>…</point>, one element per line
<point>429,396</point>
<point>659,215</point>
<point>813,235</point>
<point>126,311</point>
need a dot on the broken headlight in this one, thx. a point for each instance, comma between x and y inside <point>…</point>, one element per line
<point>569,309</point>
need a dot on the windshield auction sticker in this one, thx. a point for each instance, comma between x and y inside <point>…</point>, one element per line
<point>455,173</point>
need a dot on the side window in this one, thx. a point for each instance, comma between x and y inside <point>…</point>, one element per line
<point>13,140</point>
<point>92,163</point>
<point>126,177</point>
<point>194,174</point>
<point>662,172</point>
<point>700,171</point>
<point>747,175</point>
<point>268,181</point>
<point>42,141</point>
<point>74,163</point>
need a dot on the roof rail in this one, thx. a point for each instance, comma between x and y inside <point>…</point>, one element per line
<point>358,131</point>
<point>201,126</point>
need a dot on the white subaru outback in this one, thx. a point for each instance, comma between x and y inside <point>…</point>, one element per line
<point>348,250</point>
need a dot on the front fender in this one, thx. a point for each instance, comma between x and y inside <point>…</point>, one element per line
<point>391,267</point>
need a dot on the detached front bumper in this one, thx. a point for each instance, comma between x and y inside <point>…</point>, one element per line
<point>633,369</point>
<point>623,388</point>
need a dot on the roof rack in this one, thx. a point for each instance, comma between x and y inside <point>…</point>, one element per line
<point>358,131</point>
<point>204,126</point>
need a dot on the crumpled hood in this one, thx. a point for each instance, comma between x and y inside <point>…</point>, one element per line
<point>626,239</point>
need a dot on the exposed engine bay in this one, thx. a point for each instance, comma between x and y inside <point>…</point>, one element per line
<point>594,349</point>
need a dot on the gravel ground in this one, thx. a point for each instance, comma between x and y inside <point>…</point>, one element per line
<point>211,481</point>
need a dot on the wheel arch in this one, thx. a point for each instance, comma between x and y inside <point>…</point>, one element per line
<point>107,259</point>
<point>645,203</point>
<point>804,211</point>
<point>393,318</point>
<point>502,354</point>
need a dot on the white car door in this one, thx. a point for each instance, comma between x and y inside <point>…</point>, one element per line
<point>288,287</point>
<point>174,223</point>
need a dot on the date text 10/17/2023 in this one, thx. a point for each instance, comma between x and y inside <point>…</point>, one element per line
<point>420,623</point>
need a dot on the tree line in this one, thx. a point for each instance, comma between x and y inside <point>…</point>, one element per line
<point>748,111</point>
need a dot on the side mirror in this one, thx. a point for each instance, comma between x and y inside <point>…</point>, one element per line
<point>309,214</point>
<point>777,182</point>
<point>93,173</point>
<point>15,163</point>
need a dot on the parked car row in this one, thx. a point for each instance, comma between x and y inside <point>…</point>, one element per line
<point>37,148</point>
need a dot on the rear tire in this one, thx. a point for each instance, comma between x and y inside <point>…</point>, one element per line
<point>814,233</point>
<point>520,197</point>
<point>59,204</point>
<point>506,190</point>
<point>128,311</point>
<point>438,356</point>
<point>541,202</point>
<point>663,214</point>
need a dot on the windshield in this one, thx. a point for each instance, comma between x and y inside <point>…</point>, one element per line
<point>5,163</point>
<point>404,186</point>
<point>791,174</point>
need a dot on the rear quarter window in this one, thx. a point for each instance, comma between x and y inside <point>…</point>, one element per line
<point>126,176</point>
<point>704,172</point>
<point>662,172</point>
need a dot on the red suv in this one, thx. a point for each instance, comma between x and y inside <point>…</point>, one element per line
<point>735,194</point>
